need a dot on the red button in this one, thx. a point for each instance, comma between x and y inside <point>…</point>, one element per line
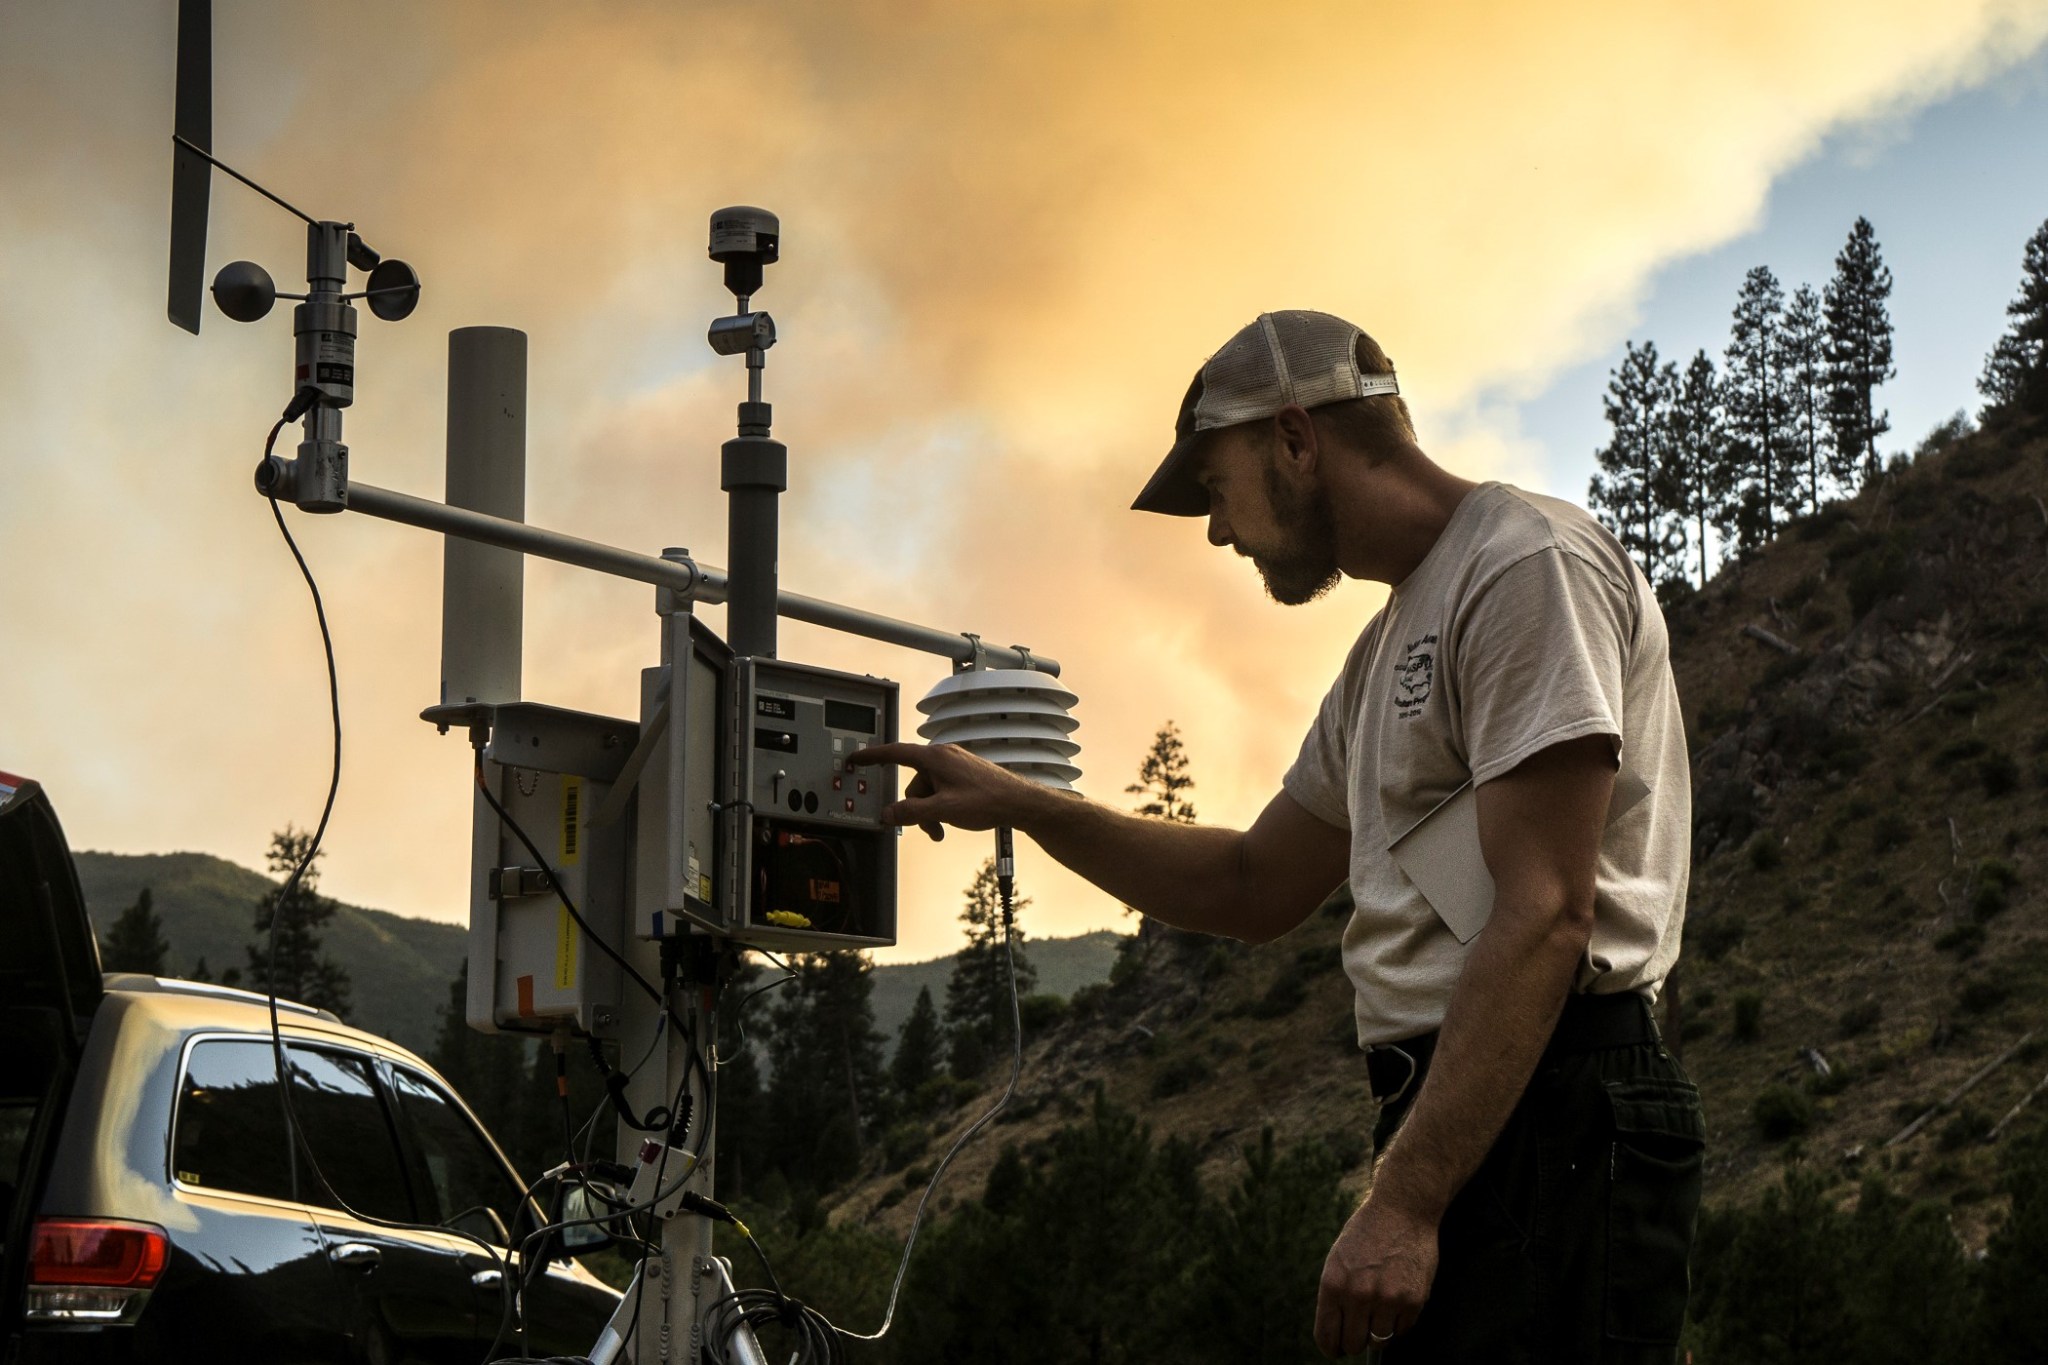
<point>861,786</point>
<point>840,782</point>
<point>849,805</point>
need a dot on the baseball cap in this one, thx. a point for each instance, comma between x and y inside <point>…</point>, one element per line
<point>1295,356</point>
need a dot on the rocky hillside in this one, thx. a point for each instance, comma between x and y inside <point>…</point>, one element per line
<point>1868,928</point>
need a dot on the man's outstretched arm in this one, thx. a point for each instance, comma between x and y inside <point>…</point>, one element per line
<point>1253,884</point>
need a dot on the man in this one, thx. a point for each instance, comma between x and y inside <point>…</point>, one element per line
<point>1540,1151</point>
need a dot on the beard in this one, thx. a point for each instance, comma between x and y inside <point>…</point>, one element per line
<point>1304,567</point>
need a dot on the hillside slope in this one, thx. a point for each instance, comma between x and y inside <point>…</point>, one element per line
<point>1870,885</point>
<point>1064,966</point>
<point>399,967</point>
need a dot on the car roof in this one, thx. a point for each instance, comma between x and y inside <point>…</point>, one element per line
<point>199,1006</point>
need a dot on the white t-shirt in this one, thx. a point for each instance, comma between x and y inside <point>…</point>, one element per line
<point>1525,625</point>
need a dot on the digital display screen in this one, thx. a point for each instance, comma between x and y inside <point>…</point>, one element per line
<point>845,715</point>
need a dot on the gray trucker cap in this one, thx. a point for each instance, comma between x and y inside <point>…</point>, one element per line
<point>1296,356</point>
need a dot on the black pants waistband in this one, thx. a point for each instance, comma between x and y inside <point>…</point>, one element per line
<point>1589,1023</point>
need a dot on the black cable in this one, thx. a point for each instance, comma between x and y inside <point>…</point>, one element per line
<point>296,1132</point>
<point>561,894</point>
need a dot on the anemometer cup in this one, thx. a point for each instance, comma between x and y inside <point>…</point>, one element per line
<point>393,290</point>
<point>244,291</point>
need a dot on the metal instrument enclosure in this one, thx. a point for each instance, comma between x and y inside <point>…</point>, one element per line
<point>811,865</point>
<point>531,969</point>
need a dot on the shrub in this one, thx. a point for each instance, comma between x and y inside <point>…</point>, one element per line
<point>1717,934</point>
<point>1980,993</point>
<point>1349,1146</point>
<point>1963,940</point>
<point>1875,578</point>
<point>1967,747</point>
<point>1861,1017</point>
<point>1749,1016</point>
<point>1766,852</point>
<point>1969,701</point>
<point>903,1143</point>
<point>1968,1127</point>
<point>1320,957</point>
<point>1833,1082</point>
<point>1040,1012</point>
<point>1891,830</point>
<point>2000,775</point>
<point>1995,881</point>
<point>1831,517</point>
<point>1781,1112</point>
<point>1180,1075</point>
<point>1089,999</point>
<point>1714,719</point>
<point>1282,997</point>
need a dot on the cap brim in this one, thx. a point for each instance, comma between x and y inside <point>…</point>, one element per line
<point>1172,490</point>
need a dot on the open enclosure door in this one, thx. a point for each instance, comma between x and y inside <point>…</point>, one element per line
<point>49,988</point>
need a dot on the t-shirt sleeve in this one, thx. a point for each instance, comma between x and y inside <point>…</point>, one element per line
<point>1541,659</point>
<point>1319,780</point>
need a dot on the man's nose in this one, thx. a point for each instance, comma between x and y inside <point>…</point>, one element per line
<point>1219,529</point>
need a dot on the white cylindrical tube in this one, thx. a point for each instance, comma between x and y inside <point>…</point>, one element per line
<point>482,586</point>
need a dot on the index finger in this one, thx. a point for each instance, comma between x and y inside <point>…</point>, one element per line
<point>910,756</point>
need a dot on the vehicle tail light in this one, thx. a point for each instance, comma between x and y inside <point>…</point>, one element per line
<point>93,1269</point>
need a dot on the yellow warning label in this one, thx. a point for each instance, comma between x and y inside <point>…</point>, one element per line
<point>572,819</point>
<point>565,950</point>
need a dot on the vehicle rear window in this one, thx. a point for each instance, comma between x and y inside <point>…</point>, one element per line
<point>231,1129</point>
<point>462,1169</point>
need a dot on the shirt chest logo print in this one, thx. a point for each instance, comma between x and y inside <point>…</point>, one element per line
<point>1416,678</point>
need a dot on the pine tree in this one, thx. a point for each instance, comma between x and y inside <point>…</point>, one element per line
<point>200,971</point>
<point>1268,1240</point>
<point>1163,779</point>
<point>303,972</point>
<point>919,1045</point>
<point>978,991</point>
<point>136,943</point>
<point>486,1069</point>
<point>1859,353</point>
<point>2016,372</point>
<point>2013,1316</point>
<point>1633,476</point>
<point>1697,473</point>
<point>826,1090</point>
<point>1802,343</point>
<point>1759,408</point>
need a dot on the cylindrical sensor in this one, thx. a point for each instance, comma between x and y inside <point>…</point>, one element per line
<point>326,336</point>
<point>482,586</point>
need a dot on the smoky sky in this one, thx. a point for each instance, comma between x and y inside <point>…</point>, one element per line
<point>1012,230</point>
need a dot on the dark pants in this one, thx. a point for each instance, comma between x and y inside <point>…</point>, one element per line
<point>1570,1242</point>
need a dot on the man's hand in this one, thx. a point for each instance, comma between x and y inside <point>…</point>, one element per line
<point>1376,1279</point>
<point>953,787</point>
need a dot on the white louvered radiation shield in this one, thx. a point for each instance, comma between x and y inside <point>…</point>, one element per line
<point>1015,718</point>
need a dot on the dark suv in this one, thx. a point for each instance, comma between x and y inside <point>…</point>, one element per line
<point>152,1206</point>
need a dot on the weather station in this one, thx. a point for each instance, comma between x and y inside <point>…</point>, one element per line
<point>621,864</point>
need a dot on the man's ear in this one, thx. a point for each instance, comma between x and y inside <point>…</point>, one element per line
<point>1298,449</point>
